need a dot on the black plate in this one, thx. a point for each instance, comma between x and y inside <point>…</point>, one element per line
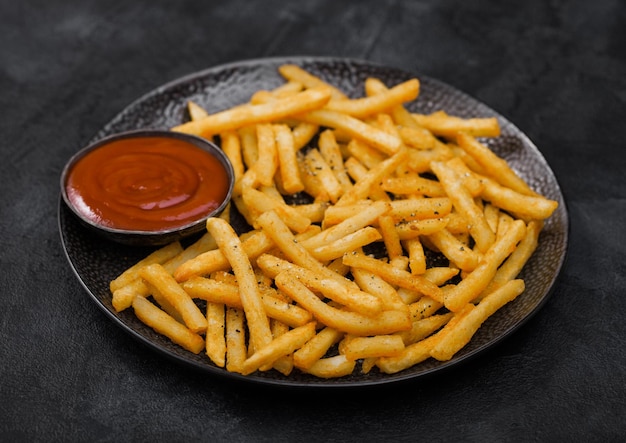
<point>96,261</point>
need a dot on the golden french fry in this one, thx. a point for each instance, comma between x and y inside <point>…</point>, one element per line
<point>163,281</point>
<point>444,125</point>
<point>391,238</point>
<point>366,347</point>
<point>215,338</point>
<point>362,107</point>
<point>332,367</point>
<point>234,118</point>
<point>527,206</point>
<point>288,163</point>
<point>232,248</point>
<point>236,351</point>
<point>267,163</point>
<point>196,112</point>
<point>162,323</point>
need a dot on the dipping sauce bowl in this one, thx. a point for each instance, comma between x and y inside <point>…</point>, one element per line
<point>148,187</point>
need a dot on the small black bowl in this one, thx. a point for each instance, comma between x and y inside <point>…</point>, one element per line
<point>141,237</point>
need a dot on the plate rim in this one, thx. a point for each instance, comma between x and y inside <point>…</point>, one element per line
<point>331,383</point>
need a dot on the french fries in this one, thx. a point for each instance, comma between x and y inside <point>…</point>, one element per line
<point>318,287</point>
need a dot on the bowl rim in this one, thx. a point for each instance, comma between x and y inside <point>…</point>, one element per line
<point>200,142</point>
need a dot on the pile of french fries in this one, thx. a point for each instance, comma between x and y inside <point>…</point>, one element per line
<point>299,290</point>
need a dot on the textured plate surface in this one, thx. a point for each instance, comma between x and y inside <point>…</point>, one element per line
<point>97,261</point>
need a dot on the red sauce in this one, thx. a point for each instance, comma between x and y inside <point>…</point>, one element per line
<point>147,184</point>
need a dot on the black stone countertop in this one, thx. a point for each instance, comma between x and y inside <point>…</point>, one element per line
<point>557,70</point>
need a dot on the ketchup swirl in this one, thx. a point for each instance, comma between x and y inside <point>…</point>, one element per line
<point>147,184</point>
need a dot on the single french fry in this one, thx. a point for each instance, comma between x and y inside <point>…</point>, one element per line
<point>161,255</point>
<point>303,133</point>
<point>163,281</point>
<point>232,248</point>
<point>288,163</point>
<point>477,280</point>
<point>249,146</point>
<point>527,206</point>
<point>196,112</point>
<point>462,331</point>
<point>231,145</point>
<point>444,125</point>
<point>332,367</point>
<point>420,208</point>
<point>387,227</point>
<point>162,323</point>
<point>279,347</point>
<point>366,347</point>
<point>417,257</point>
<point>236,350</point>
<point>267,162</point>
<point>399,113</point>
<point>215,338</point>
<point>362,107</point>
<point>234,118</point>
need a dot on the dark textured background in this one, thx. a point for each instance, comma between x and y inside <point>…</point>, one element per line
<point>556,69</point>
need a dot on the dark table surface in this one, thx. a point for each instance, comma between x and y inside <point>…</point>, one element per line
<point>555,69</point>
